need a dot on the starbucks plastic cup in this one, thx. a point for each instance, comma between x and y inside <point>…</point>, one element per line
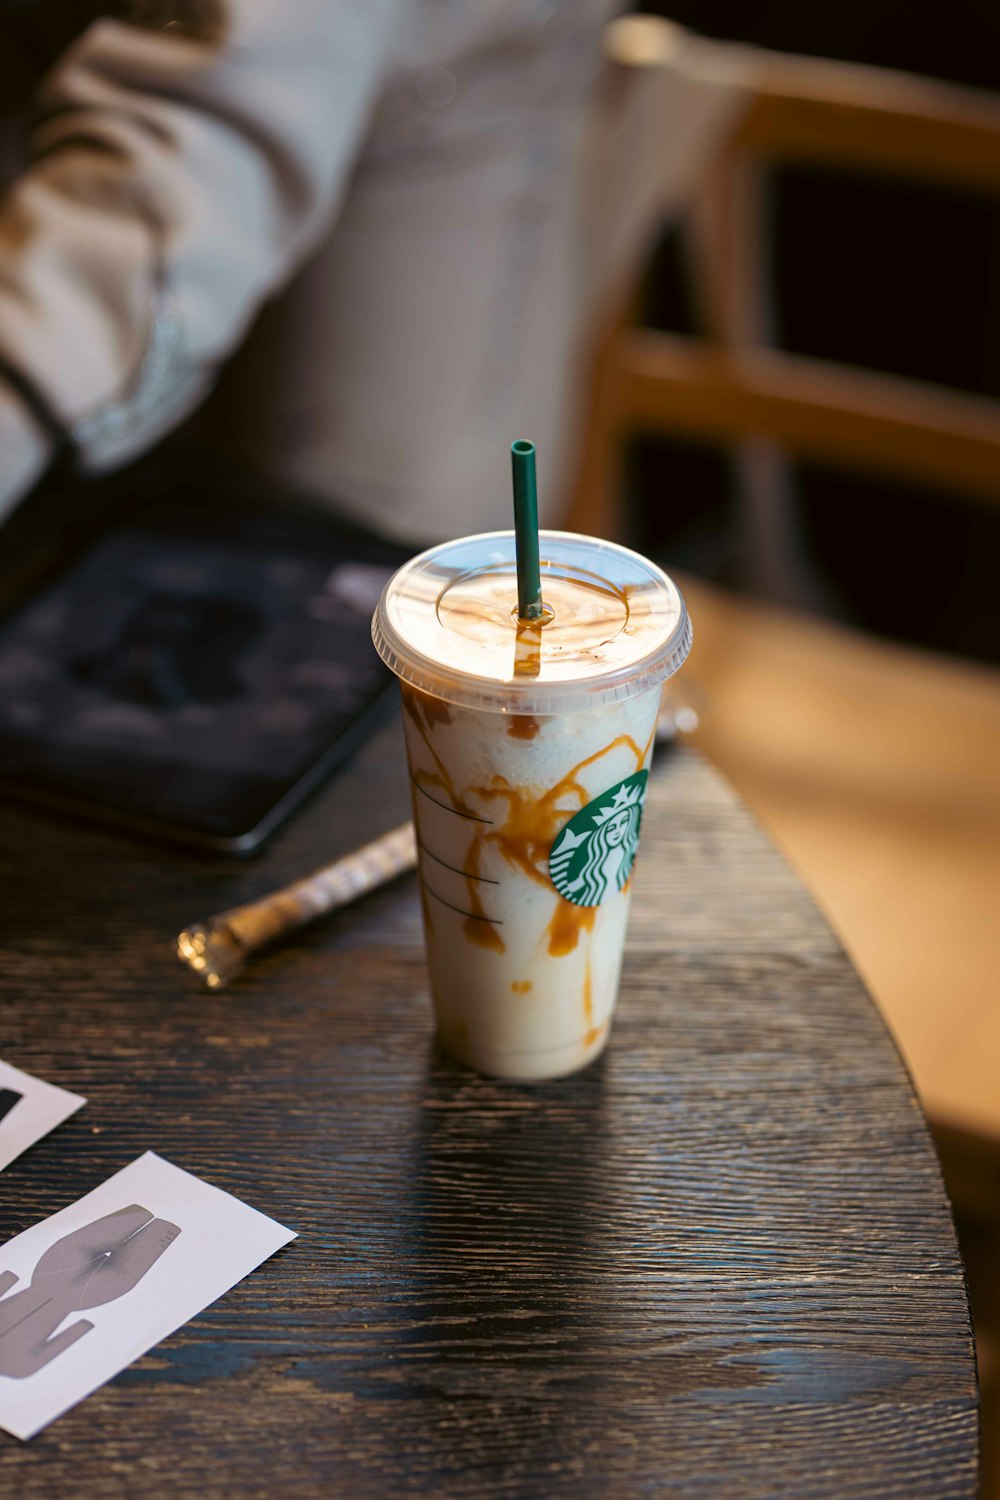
<point>529,748</point>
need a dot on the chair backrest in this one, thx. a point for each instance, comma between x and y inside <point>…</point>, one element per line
<point>732,386</point>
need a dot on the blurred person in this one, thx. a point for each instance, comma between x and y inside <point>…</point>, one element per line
<point>413,165</point>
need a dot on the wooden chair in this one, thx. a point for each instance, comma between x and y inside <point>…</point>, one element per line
<point>877,767</point>
<point>731,386</point>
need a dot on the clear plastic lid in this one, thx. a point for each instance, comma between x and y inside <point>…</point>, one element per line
<point>615,625</point>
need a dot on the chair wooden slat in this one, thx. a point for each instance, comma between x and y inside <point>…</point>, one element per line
<point>669,383</point>
<point>872,120</point>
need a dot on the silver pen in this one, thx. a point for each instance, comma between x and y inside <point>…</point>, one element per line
<point>217,949</point>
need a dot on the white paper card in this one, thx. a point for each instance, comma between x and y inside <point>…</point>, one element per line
<point>105,1279</point>
<point>29,1109</point>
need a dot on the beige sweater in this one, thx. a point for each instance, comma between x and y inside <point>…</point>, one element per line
<point>408,169</point>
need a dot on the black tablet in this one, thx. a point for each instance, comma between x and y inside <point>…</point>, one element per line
<point>195,672</point>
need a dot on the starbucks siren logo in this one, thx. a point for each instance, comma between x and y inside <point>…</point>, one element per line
<point>592,856</point>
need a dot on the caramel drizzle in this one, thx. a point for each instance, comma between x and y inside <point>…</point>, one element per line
<point>434,711</point>
<point>568,921</point>
<point>479,928</point>
<point>529,829</point>
<point>526,834</point>
<point>528,648</point>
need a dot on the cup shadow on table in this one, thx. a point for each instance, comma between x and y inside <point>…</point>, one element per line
<point>506,1282</point>
<point>535,1256</point>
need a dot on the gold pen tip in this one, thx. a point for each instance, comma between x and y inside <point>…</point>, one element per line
<point>213,953</point>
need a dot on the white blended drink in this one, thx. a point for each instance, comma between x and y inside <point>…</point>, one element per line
<point>529,748</point>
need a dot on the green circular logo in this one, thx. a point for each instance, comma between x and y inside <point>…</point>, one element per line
<point>592,856</point>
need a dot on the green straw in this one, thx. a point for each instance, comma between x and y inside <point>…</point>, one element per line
<point>529,582</point>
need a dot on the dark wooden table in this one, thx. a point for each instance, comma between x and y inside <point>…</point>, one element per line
<point>720,1263</point>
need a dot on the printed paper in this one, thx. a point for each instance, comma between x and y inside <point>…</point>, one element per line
<point>29,1109</point>
<point>87,1291</point>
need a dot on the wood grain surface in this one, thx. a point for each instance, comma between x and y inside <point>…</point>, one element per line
<point>719,1263</point>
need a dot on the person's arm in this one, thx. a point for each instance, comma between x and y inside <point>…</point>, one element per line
<point>176,180</point>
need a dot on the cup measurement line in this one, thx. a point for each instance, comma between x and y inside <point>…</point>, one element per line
<point>477,916</point>
<point>485,879</point>
<point>458,814</point>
